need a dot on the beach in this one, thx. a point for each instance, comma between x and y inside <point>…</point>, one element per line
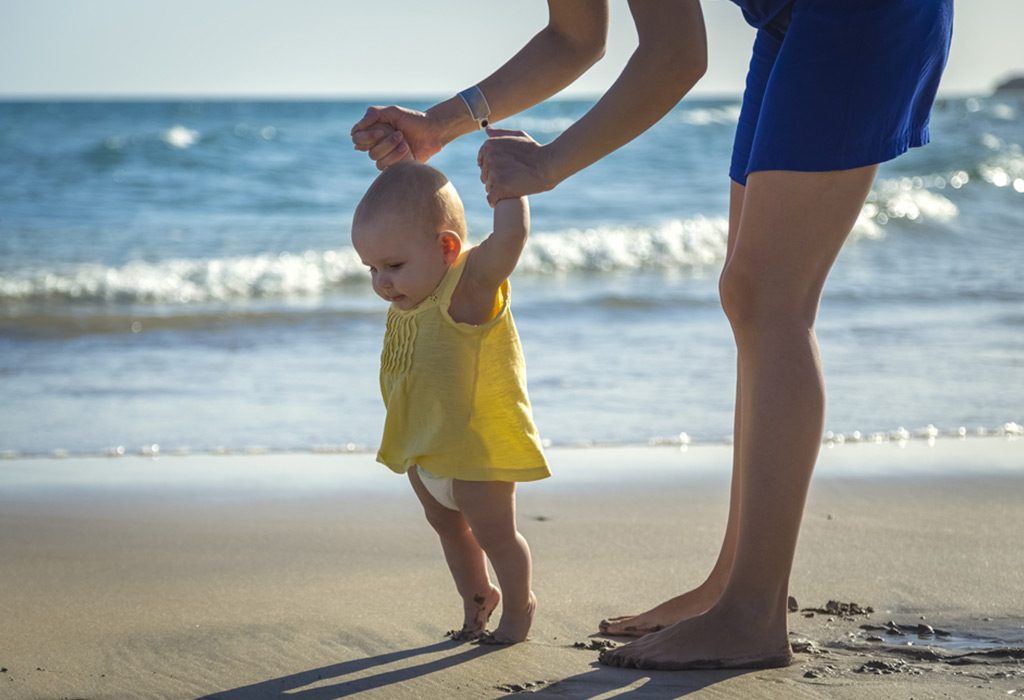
<point>189,371</point>
<point>315,576</point>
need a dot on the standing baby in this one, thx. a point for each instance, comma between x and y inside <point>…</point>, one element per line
<point>454,383</point>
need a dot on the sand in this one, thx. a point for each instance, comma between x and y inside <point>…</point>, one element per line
<point>314,576</point>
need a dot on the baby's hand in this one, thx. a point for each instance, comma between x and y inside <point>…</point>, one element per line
<point>512,165</point>
<point>382,140</point>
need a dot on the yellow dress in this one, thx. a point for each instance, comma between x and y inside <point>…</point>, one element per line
<point>456,393</point>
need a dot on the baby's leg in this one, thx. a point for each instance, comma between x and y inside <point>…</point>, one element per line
<point>490,510</point>
<point>465,560</point>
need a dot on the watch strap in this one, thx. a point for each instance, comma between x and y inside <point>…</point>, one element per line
<point>477,105</point>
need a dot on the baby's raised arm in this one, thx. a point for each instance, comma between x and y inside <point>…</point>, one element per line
<point>494,259</point>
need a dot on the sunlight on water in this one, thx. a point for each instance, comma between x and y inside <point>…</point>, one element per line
<point>180,137</point>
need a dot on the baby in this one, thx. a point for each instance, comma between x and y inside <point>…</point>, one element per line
<point>454,384</point>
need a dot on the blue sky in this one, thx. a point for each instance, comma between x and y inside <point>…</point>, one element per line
<point>141,48</point>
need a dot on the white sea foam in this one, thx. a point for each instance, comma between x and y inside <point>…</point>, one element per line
<point>185,281</point>
<point>685,244</point>
<point>180,136</point>
<point>729,114</point>
<point>1004,111</point>
<point>675,245</point>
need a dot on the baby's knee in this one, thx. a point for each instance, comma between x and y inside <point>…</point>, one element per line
<point>495,538</point>
<point>446,522</point>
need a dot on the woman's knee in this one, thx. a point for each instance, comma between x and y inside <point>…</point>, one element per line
<point>741,291</point>
<point>752,294</point>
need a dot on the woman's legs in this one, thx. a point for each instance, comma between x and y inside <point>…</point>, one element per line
<point>791,229</point>
<point>702,597</point>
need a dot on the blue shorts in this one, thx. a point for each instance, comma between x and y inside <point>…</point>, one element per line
<point>840,84</point>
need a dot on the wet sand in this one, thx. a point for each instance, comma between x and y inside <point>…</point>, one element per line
<point>314,577</point>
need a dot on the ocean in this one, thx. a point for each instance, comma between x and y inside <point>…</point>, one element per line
<point>177,277</point>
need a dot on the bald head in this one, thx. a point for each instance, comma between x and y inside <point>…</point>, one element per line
<point>414,191</point>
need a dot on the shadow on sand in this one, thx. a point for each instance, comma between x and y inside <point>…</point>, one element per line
<point>291,687</point>
<point>356,676</point>
<point>604,682</point>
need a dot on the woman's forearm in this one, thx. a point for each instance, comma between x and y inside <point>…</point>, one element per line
<point>573,40</point>
<point>671,58</point>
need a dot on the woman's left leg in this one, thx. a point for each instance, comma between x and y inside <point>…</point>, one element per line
<point>697,600</point>
<point>791,229</point>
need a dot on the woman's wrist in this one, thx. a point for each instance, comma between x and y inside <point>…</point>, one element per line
<point>551,165</point>
<point>451,119</point>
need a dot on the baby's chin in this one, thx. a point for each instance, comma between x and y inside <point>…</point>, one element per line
<point>403,302</point>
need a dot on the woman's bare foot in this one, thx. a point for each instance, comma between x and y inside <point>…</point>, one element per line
<point>514,625</point>
<point>686,605</point>
<point>477,612</point>
<point>711,640</point>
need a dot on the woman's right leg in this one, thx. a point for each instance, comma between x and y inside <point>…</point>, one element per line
<point>791,231</point>
<point>699,599</point>
<point>465,560</point>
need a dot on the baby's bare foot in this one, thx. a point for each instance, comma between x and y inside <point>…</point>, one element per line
<point>477,612</point>
<point>514,625</point>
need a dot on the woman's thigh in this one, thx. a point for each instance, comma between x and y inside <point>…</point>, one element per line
<point>790,230</point>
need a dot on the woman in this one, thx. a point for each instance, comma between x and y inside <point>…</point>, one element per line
<point>833,90</point>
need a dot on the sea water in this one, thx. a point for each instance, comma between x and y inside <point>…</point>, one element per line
<point>179,273</point>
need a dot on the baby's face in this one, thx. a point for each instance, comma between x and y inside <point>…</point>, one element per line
<point>406,261</point>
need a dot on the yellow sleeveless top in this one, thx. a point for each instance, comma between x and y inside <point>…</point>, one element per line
<point>456,393</point>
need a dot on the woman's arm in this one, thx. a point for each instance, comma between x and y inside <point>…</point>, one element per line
<point>670,59</point>
<point>573,40</point>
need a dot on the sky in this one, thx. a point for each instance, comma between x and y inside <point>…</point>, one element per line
<point>342,48</point>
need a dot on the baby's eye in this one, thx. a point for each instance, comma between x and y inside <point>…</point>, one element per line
<point>395,266</point>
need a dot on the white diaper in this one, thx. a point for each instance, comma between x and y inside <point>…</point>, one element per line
<point>440,487</point>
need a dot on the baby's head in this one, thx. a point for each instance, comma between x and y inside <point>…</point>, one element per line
<point>408,229</point>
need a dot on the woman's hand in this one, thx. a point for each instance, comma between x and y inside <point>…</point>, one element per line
<point>391,134</point>
<point>512,165</point>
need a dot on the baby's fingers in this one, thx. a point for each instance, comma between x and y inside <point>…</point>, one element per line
<point>387,145</point>
<point>371,117</point>
<point>401,152</point>
<point>505,132</point>
<point>483,161</point>
<point>368,138</point>
<point>496,193</point>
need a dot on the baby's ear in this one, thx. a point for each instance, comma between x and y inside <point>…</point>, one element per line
<point>451,245</point>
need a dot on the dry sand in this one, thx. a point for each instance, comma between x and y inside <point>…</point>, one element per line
<point>315,577</point>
